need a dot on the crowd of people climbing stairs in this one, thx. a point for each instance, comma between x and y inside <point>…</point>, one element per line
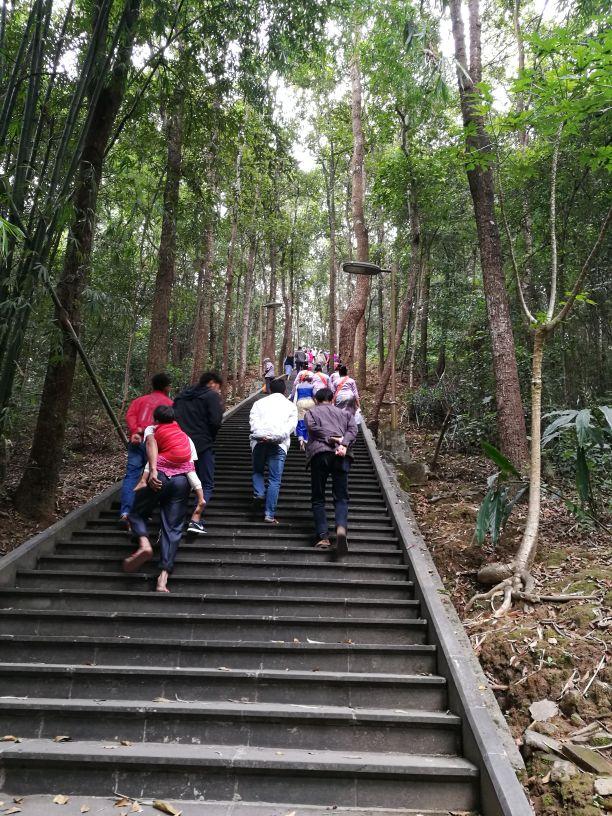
<point>171,452</point>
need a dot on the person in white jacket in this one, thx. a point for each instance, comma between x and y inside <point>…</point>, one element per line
<point>273,419</point>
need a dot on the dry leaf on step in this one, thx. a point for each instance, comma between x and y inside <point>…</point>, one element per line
<point>127,743</point>
<point>17,799</point>
<point>166,807</point>
<point>12,810</point>
<point>136,808</point>
<point>62,738</point>
<point>9,738</point>
<point>60,799</point>
<point>122,802</point>
<point>85,808</point>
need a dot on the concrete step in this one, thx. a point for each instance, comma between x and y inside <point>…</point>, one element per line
<point>159,603</point>
<point>229,513</point>
<point>274,725</point>
<point>42,805</point>
<point>213,627</point>
<point>299,518</point>
<point>230,567</point>
<point>217,773</point>
<point>320,586</point>
<point>201,547</point>
<point>137,651</point>
<point>418,691</point>
<point>246,533</point>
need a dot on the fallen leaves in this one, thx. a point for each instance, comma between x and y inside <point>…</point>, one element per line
<point>60,799</point>
<point>62,738</point>
<point>85,809</point>
<point>9,738</point>
<point>543,710</point>
<point>12,810</point>
<point>166,807</point>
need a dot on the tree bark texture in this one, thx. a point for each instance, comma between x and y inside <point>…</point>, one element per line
<point>288,308</point>
<point>246,313</point>
<point>164,281</point>
<point>424,328</point>
<point>229,273</point>
<point>270,313</point>
<point>35,494</point>
<point>357,306</point>
<point>201,333</point>
<point>329,173</point>
<point>406,307</point>
<point>525,555</point>
<point>510,417</point>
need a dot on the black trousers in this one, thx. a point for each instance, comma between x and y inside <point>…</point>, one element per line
<point>322,466</point>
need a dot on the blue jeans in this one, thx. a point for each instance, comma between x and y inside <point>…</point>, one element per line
<point>172,501</point>
<point>205,468</point>
<point>322,466</point>
<point>136,460</point>
<point>272,455</point>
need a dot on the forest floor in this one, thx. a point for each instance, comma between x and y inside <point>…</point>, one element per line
<point>554,652</point>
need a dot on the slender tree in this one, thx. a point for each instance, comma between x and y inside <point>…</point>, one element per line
<point>356,309</point>
<point>35,494</point>
<point>510,417</point>
<point>157,357</point>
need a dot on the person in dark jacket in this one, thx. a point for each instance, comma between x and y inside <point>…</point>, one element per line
<point>199,412</point>
<point>331,434</point>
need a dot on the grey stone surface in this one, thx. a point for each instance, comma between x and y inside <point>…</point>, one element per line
<point>269,674</point>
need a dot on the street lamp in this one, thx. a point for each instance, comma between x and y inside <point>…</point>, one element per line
<point>372,269</point>
<point>273,304</point>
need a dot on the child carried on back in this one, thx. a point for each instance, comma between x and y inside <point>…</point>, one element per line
<point>171,452</point>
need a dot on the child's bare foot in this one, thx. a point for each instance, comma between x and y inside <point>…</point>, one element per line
<point>162,582</point>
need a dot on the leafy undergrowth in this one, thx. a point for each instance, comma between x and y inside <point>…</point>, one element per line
<point>557,651</point>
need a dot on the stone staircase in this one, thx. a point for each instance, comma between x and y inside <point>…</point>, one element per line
<point>269,674</point>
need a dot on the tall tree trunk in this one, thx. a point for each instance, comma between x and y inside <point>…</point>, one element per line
<point>510,418</point>
<point>270,314</point>
<point>404,313</point>
<point>164,281</point>
<point>380,240</point>
<point>357,306</point>
<point>246,313</point>
<point>329,173</point>
<point>35,494</point>
<point>359,363</point>
<point>229,272</point>
<point>415,328</point>
<point>424,328</point>
<point>237,322</point>
<point>286,293</point>
<point>201,333</point>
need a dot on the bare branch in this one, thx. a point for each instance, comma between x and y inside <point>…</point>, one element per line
<point>583,272</point>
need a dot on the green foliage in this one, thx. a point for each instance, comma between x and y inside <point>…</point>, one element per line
<point>583,439</point>
<point>505,489</point>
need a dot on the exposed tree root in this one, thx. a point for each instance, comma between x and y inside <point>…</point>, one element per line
<point>516,586</point>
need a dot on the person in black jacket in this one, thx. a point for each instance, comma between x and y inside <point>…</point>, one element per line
<point>199,412</point>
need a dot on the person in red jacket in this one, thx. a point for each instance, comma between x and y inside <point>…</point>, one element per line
<point>138,417</point>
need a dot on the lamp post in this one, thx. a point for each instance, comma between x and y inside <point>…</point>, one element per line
<point>372,269</point>
<point>273,304</point>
